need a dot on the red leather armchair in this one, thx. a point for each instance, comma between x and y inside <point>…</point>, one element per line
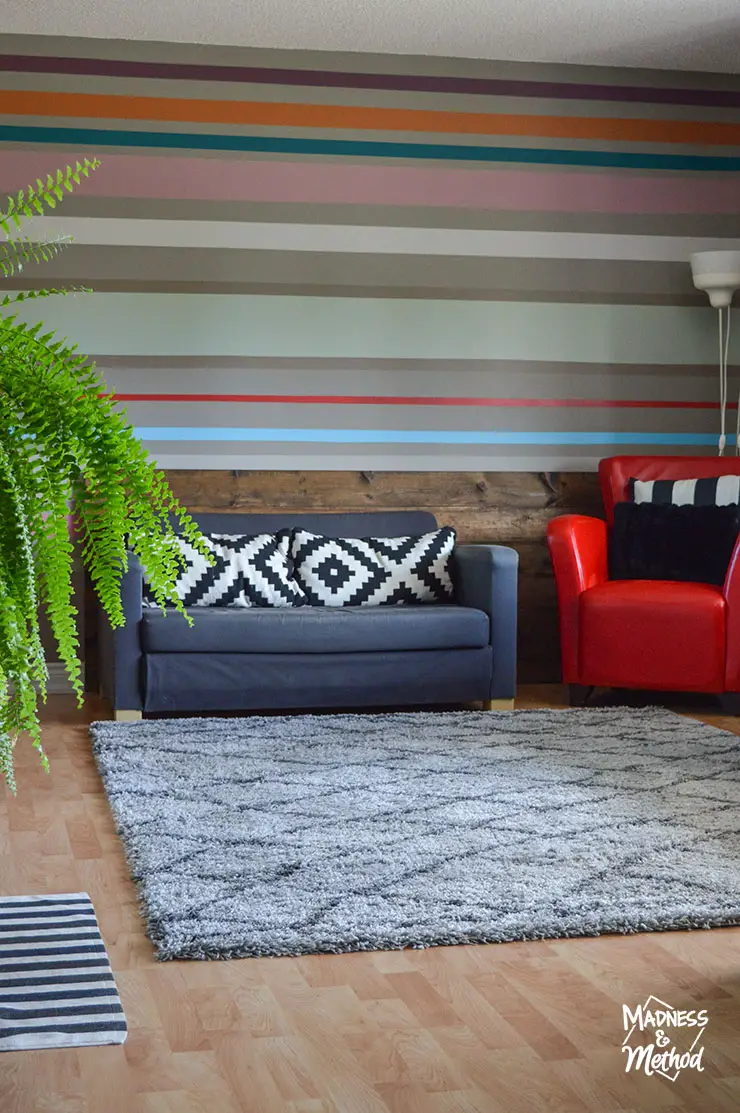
<point>650,634</point>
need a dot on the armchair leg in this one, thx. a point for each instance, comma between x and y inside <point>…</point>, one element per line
<point>121,716</point>
<point>580,694</point>
<point>498,705</point>
<point>730,703</point>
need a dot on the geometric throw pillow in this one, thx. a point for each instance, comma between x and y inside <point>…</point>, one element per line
<point>373,571</point>
<point>249,570</point>
<point>718,490</point>
<point>654,541</point>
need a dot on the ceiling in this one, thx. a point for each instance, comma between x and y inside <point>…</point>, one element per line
<point>666,34</point>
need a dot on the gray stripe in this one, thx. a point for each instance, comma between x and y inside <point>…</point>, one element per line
<point>353,62</point>
<point>452,418</point>
<point>386,275</point>
<point>289,457</point>
<point>399,216</point>
<point>455,293</point>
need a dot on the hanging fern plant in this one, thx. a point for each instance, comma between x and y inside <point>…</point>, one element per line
<point>66,454</point>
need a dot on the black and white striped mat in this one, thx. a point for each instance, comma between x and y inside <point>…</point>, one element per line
<point>56,984</point>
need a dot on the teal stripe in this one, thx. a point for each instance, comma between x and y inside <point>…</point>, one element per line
<point>360,148</point>
<point>416,436</point>
<point>234,325</point>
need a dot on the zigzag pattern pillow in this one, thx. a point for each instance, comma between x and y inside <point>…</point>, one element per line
<point>250,570</point>
<point>372,571</point>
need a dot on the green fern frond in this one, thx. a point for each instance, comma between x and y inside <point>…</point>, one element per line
<point>66,453</point>
<point>21,250</point>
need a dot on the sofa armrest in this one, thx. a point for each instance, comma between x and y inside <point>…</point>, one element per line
<point>120,649</point>
<point>578,550</point>
<point>485,577</point>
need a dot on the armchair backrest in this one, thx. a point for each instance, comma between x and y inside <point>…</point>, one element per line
<point>616,471</point>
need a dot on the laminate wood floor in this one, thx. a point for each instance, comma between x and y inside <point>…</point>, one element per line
<point>508,1028</point>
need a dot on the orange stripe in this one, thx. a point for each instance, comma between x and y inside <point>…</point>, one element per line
<point>99,106</point>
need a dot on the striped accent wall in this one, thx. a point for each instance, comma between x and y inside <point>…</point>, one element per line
<point>336,262</point>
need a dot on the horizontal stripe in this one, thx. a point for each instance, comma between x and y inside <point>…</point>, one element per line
<point>418,436</point>
<point>538,294</point>
<point>384,458</point>
<point>696,225</point>
<point>483,86</point>
<point>357,148</point>
<point>340,183</point>
<point>327,238</point>
<point>97,1026</point>
<point>47,937</point>
<point>71,964</point>
<point>20,1013</point>
<point>58,104</point>
<point>46,903</point>
<point>210,325</point>
<point>62,979</point>
<point>181,270</point>
<point>421,400</point>
<point>21,995</point>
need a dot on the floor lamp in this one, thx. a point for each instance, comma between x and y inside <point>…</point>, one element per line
<point>718,273</point>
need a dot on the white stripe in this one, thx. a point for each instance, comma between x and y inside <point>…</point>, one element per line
<point>36,942</point>
<point>82,1018</point>
<point>643,491</point>
<point>363,239</point>
<point>684,492</point>
<point>62,987</point>
<point>728,490</point>
<point>110,998</point>
<point>38,931</point>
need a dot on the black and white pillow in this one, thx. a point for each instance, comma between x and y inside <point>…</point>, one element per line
<point>250,570</point>
<point>370,571</point>
<point>722,490</point>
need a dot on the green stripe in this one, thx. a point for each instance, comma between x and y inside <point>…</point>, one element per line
<point>385,328</point>
<point>447,152</point>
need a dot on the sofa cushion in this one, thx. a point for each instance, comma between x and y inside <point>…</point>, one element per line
<point>316,629</point>
<point>247,570</point>
<point>373,571</point>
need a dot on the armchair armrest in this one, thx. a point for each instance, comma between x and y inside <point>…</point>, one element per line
<point>485,577</point>
<point>731,591</point>
<point>120,649</point>
<point>578,550</point>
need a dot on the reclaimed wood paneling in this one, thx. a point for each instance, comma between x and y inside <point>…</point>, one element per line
<point>509,508</point>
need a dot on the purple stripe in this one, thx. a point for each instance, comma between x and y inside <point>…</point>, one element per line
<point>261,75</point>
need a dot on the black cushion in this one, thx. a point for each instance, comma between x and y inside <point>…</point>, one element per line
<point>653,541</point>
<point>316,629</point>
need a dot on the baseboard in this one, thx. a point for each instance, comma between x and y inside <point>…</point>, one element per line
<point>58,682</point>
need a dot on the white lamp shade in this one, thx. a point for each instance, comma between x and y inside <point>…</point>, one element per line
<point>718,273</point>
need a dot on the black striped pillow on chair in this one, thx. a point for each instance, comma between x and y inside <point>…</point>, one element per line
<point>722,490</point>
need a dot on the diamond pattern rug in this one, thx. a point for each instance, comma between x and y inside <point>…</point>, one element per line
<point>303,834</point>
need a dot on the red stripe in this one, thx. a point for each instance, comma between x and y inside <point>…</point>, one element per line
<point>413,400</point>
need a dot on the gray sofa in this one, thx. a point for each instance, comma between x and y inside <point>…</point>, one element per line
<point>235,659</point>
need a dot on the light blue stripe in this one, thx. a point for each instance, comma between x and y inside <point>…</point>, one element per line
<point>416,436</point>
<point>361,148</point>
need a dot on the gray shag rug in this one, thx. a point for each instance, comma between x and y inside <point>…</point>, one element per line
<point>306,834</point>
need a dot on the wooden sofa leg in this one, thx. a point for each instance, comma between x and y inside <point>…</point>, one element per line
<point>498,705</point>
<point>121,716</point>
<point>579,694</point>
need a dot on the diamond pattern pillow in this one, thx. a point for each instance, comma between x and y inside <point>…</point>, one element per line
<point>371,571</point>
<point>250,570</point>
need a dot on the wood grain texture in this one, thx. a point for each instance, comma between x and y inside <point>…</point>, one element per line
<point>508,1028</point>
<point>507,508</point>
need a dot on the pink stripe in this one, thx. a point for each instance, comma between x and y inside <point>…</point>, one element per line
<point>422,400</point>
<point>210,179</point>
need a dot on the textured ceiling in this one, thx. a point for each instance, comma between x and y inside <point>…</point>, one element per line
<point>666,34</point>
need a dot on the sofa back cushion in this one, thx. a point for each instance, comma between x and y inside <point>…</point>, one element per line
<point>372,571</point>
<point>383,523</point>
<point>250,570</point>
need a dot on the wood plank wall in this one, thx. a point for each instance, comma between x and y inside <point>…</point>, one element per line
<point>508,508</point>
